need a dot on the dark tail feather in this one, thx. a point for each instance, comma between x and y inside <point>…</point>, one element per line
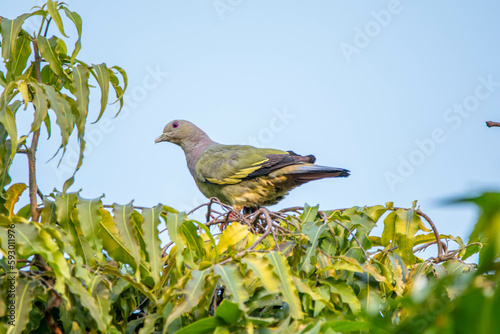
<point>315,172</point>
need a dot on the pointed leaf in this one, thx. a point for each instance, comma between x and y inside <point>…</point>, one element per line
<point>80,82</point>
<point>102,77</point>
<point>261,268</point>
<point>151,220</point>
<point>232,279</point>
<point>89,217</point>
<point>40,104</point>
<point>193,293</point>
<point>10,31</point>
<point>288,289</point>
<point>65,118</point>
<point>13,194</point>
<point>231,236</point>
<point>54,13</point>
<point>88,302</point>
<point>309,214</point>
<point>17,63</point>
<point>24,303</point>
<point>345,292</point>
<point>174,222</point>
<point>313,233</point>
<point>77,21</point>
<point>122,216</point>
<point>48,51</point>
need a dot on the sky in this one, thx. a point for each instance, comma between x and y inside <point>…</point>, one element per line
<point>398,92</point>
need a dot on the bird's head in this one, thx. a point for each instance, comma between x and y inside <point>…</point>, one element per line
<point>178,132</point>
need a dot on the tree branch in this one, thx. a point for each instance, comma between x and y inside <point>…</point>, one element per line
<point>31,152</point>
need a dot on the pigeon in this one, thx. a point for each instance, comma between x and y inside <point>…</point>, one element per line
<point>242,176</point>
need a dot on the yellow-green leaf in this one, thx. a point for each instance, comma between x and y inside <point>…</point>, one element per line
<point>54,13</point>
<point>13,194</point>
<point>48,51</point>
<point>232,279</point>
<point>122,216</point>
<point>151,219</point>
<point>288,289</point>
<point>102,77</point>
<point>77,21</point>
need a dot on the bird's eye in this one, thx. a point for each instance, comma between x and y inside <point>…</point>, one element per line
<point>175,124</point>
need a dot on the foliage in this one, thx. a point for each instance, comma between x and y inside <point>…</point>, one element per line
<point>82,266</point>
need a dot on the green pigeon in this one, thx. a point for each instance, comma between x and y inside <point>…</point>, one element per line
<point>242,176</point>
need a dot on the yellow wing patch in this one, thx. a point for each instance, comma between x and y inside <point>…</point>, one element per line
<point>236,177</point>
<point>224,181</point>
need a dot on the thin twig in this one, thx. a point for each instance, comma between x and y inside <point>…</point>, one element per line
<point>434,229</point>
<point>198,207</point>
<point>164,250</point>
<point>31,152</point>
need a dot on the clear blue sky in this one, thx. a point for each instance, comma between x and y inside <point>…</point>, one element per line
<point>396,91</point>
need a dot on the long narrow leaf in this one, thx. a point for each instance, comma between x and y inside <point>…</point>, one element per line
<point>288,289</point>
<point>151,220</point>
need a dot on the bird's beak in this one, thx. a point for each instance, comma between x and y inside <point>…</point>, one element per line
<point>163,137</point>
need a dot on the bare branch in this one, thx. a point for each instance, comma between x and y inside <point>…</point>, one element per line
<point>491,124</point>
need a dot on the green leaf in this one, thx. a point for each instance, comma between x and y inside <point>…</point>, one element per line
<point>232,279</point>
<point>121,91</point>
<point>193,293</point>
<point>313,233</point>
<point>486,230</point>
<point>77,21</point>
<point>288,289</point>
<point>344,263</point>
<point>10,31</point>
<point>205,325</point>
<point>40,104</point>
<point>9,123</point>
<point>304,288</point>
<point>345,292</point>
<point>342,326</point>
<point>88,302</point>
<point>400,227</point>
<point>54,13</point>
<point>229,312</point>
<point>174,222</point>
<point>231,236</point>
<point>375,212</point>
<point>102,77</point>
<point>80,82</point>
<point>122,216</point>
<point>309,214</point>
<point>138,285</point>
<point>210,236</point>
<point>24,303</point>
<point>17,63</point>
<point>48,51</point>
<point>149,323</point>
<point>112,242</point>
<point>151,219</point>
<point>65,207</point>
<point>13,194</point>
<point>194,242</point>
<point>65,118</point>
<point>33,239</point>
<point>89,217</point>
<point>262,268</point>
